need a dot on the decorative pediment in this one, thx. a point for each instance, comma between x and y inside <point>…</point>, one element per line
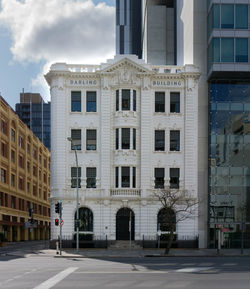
<point>124,65</point>
<point>125,71</point>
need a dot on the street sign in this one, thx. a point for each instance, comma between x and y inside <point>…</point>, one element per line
<point>29,225</point>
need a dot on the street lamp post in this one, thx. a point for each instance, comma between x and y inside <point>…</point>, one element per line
<point>77,197</point>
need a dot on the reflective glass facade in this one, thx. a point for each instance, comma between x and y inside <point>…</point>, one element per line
<point>229,163</point>
<point>37,117</point>
<point>228,37</point>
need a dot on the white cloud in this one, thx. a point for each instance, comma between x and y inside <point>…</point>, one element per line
<point>73,31</point>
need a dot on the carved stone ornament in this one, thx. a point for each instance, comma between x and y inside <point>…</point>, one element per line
<point>106,203</point>
<point>105,82</point>
<point>191,83</point>
<point>146,83</point>
<point>125,75</point>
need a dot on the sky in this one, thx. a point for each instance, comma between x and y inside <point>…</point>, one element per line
<point>36,33</point>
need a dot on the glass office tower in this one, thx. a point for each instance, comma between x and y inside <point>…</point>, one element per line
<point>129,27</point>
<point>229,129</point>
<point>229,162</point>
<point>35,113</point>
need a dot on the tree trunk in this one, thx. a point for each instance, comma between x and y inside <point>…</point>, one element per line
<point>170,241</point>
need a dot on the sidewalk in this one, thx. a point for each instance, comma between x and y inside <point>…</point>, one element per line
<point>40,248</point>
<point>140,253</point>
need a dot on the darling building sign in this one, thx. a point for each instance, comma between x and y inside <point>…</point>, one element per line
<point>164,83</point>
<point>83,82</point>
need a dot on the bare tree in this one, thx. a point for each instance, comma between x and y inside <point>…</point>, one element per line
<point>177,205</point>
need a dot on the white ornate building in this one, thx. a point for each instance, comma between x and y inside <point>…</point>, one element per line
<point>136,129</point>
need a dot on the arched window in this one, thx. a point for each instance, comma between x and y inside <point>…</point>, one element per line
<point>166,219</point>
<point>85,220</point>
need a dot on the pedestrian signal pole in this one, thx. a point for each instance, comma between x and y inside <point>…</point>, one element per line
<point>60,220</point>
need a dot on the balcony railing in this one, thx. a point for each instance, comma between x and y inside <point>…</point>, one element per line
<point>126,192</point>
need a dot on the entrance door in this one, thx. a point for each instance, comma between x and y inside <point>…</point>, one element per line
<point>123,218</point>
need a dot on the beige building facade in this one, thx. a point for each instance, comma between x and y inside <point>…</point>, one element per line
<point>24,180</point>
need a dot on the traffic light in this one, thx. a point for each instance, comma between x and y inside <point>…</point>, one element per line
<point>57,207</point>
<point>31,212</point>
<point>56,222</point>
<point>31,215</point>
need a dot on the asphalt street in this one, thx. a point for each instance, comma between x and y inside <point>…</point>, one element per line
<point>38,272</point>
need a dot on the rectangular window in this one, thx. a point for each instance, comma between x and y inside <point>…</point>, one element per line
<point>216,16</point>
<point>241,16</point>
<point>13,202</point>
<point>76,143</point>
<point>134,177</point>
<point>13,180</point>
<point>91,139</point>
<point>159,178</point>
<point>4,149</point>
<point>76,101</point>
<point>21,143</point>
<point>134,100</point>
<point>117,177</point>
<point>216,50</point>
<point>35,190</point>
<point>21,161</point>
<point>241,50</point>
<point>227,16</point>
<point>34,171</point>
<point>125,99</point>
<point>174,102</point>
<point>125,177</point>
<point>227,50</point>
<point>174,140</point>
<point>13,135</point>
<point>159,101</point>
<point>20,183</point>
<point>35,153</point>
<point>3,126</point>
<point>159,140</point>
<point>91,101</point>
<point>28,187</point>
<point>174,178</point>
<point>3,176</point>
<point>117,100</point>
<point>91,177</point>
<point>28,167</point>
<point>74,177</point>
<point>117,139</point>
<point>125,138</point>
<point>134,139</point>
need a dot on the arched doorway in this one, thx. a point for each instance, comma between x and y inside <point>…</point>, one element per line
<point>125,223</point>
<point>85,221</point>
<point>166,220</point>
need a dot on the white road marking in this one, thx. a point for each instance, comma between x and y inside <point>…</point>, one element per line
<point>122,272</point>
<point>56,279</point>
<point>193,270</point>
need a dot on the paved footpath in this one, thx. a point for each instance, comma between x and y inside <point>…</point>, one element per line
<point>40,248</point>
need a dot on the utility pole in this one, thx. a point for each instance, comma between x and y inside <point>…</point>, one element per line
<point>242,231</point>
<point>60,220</point>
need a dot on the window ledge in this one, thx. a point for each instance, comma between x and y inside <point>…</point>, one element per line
<point>178,152</point>
<point>161,152</point>
<point>125,152</point>
<point>174,113</point>
<point>91,151</point>
<point>75,112</point>
<point>77,151</point>
<point>125,113</point>
<point>159,113</point>
<point>92,112</point>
